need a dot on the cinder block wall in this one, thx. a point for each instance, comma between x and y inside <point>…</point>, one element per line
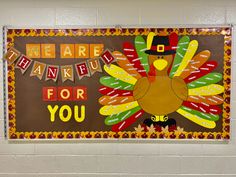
<point>118,159</point>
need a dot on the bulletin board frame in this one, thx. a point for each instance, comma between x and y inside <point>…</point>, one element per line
<point>12,134</point>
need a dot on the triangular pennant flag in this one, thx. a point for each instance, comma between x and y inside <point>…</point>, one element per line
<point>52,72</point>
<point>38,69</point>
<point>94,65</point>
<point>23,63</point>
<point>82,69</point>
<point>107,57</point>
<point>12,55</point>
<point>67,73</point>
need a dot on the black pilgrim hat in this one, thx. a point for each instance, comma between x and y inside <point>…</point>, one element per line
<point>161,45</point>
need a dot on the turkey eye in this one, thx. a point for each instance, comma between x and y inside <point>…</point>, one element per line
<point>158,57</point>
<point>162,57</point>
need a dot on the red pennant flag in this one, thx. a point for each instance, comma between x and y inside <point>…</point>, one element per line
<point>23,63</point>
<point>107,57</point>
<point>52,72</point>
<point>82,69</point>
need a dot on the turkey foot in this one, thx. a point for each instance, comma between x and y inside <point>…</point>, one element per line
<point>159,118</point>
<point>161,121</point>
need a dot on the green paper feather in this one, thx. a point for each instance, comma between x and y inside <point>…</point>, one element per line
<point>180,52</point>
<point>211,117</point>
<point>208,79</point>
<point>140,46</point>
<point>116,118</point>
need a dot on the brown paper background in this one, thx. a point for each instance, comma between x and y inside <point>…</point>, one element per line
<point>31,110</point>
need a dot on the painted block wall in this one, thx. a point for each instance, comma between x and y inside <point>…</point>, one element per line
<point>124,159</point>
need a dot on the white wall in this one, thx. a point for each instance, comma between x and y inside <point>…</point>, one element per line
<point>118,159</point>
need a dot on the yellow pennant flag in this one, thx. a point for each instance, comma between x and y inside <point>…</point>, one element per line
<point>12,55</point>
<point>94,65</point>
<point>67,73</point>
<point>38,69</point>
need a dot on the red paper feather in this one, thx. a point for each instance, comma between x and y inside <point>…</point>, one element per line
<point>202,71</point>
<point>126,123</point>
<point>111,92</point>
<point>203,107</point>
<point>132,56</point>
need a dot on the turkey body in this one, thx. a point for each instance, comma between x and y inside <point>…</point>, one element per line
<point>160,96</point>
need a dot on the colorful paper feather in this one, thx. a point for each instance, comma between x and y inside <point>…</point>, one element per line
<point>192,48</point>
<point>120,74</point>
<point>196,119</point>
<point>133,57</point>
<point>115,83</point>
<point>117,118</point>
<point>180,53</point>
<point>112,91</point>
<point>210,100</point>
<point>124,63</point>
<point>206,68</point>
<point>115,100</point>
<point>115,109</point>
<point>203,107</point>
<point>141,46</point>
<point>213,89</point>
<point>196,62</point>
<point>208,79</point>
<point>129,121</point>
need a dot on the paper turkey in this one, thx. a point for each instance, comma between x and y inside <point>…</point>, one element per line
<point>160,76</point>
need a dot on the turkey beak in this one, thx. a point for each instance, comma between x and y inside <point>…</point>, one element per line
<point>160,64</point>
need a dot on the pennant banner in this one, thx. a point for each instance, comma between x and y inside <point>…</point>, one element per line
<point>86,68</point>
<point>139,83</point>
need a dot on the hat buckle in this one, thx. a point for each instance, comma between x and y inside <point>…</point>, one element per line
<point>160,48</point>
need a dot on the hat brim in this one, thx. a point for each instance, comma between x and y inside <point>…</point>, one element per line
<point>154,52</point>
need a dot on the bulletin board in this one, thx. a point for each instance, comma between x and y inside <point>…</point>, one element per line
<point>118,83</point>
